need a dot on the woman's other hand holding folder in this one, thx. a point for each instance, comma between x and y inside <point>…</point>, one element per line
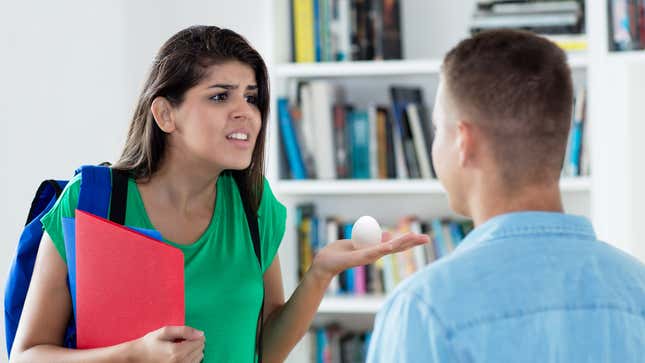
<point>171,344</point>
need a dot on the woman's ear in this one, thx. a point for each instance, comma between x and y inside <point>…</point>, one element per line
<point>163,113</point>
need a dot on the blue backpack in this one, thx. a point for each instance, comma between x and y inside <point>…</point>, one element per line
<point>96,196</point>
<point>102,190</point>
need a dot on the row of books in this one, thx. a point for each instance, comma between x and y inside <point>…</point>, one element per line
<point>332,344</point>
<point>381,277</point>
<point>324,137</point>
<point>626,24</point>
<point>542,17</point>
<point>341,30</point>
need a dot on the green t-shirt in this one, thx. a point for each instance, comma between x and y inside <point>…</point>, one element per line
<point>223,282</point>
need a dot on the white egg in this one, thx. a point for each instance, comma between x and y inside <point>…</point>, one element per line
<point>366,230</point>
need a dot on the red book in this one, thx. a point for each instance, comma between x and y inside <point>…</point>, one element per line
<point>127,284</point>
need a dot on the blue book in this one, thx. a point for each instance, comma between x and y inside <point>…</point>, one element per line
<point>290,141</point>
<point>321,345</point>
<point>315,236</point>
<point>439,239</point>
<point>349,273</point>
<point>576,148</point>
<point>456,233</point>
<point>360,139</point>
<point>317,30</point>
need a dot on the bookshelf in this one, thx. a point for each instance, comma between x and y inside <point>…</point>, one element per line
<point>429,28</point>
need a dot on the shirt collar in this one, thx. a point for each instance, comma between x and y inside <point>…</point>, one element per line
<point>525,223</point>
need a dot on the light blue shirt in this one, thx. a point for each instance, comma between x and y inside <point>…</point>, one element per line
<point>522,287</point>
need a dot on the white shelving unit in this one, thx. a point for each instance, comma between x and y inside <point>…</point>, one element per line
<point>430,28</point>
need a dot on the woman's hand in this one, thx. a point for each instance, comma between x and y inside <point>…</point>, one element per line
<point>343,254</point>
<point>171,344</point>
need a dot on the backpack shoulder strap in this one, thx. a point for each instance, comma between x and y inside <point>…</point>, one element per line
<point>252,221</point>
<point>119,196</point>
<point>102,187</point>
<point>47,190</point>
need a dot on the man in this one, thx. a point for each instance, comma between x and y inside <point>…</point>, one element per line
<point>530,283</point>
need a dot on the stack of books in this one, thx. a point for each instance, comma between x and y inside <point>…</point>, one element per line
<point>626,25</point>
<point>563,21</point>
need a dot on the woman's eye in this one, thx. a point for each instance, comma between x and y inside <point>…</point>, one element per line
<point>252,99</point>
<point>220,97</point>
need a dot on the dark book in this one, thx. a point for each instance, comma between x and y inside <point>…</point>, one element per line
<point>365,51</point>
<point>411,158</point>
<point>340,141</point>
<point>391,162</point>
<point>391,36</point>
<point>401,97</point>
<point>428,132</point>
<point>354,24</point>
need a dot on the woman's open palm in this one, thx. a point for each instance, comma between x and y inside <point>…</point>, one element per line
<point>343,254</point>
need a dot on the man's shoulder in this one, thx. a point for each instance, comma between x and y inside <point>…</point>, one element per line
<point>440,284</point>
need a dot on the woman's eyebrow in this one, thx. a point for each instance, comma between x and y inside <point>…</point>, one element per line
<point>233,86</point>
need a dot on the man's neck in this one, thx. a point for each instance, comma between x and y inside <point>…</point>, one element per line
<point>492,200</point>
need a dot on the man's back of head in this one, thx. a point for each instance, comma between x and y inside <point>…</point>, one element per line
<point>529,283</point>
<point>502,115</point>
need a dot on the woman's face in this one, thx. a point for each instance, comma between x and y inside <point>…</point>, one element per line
<point>218,122</point>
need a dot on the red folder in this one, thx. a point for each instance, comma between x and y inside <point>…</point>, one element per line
<point>127,284</point>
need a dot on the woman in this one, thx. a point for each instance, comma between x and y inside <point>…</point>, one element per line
<point>200,123</point>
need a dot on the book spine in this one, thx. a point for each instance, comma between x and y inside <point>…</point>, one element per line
<point>344,31</point>
<point>303,30</point>
<point>290,141</point>
<point>419,141</point>
<point>391,30</point>
<point>317,30</point>
<point>360,147</point>
<point>340,141</point>
<point>323,123</point>
<point>381,142</point>
<point>373,142</point>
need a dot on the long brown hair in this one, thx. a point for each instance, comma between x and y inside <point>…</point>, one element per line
<point>180,64</point>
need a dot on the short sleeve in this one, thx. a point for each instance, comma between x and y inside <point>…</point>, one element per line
<point>63,208</point>
<point>406,331</point>
<point>272,216</point>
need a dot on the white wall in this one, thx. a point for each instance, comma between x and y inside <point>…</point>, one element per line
<point>70,71</point>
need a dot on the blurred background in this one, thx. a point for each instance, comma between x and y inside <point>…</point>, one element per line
<point>361,75</point>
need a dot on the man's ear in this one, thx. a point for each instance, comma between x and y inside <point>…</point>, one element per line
<point>162,111</point>
<point>466,142</point>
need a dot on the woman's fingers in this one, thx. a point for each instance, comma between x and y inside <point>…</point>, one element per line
<point>408,240</point>
<point>372,253</point>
